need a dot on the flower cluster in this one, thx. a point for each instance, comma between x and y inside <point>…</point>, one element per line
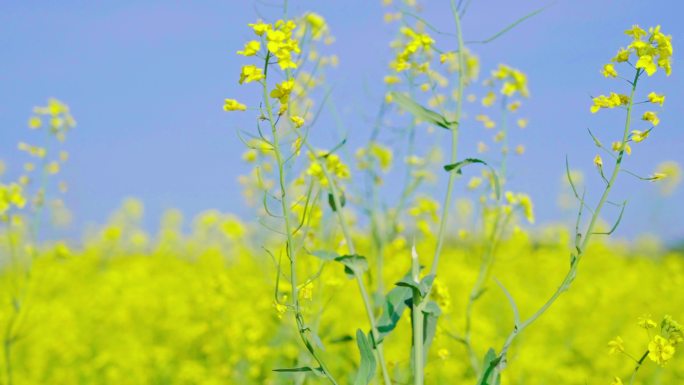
<point>660,348</point>
<point>11,195</point>
<point>411,43</point>
<point>652,53</point>
<point>521,200</point>
<point>610,101</point>
<point>333,164</point>
<point>512,81</point>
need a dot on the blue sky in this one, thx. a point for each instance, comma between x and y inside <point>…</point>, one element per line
<point>146,79</point>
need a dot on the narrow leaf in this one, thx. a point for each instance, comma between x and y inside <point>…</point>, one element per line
<point>490,361</point>
<point>353,264</point>
<point>431,313</point>
<point>331,201</point>
<point>304,369</point>
<point>367,366</point>
<point>325,255</point>
<point>421,112</point>
<point>396,301</point>
<point>511,301</point>
<point>456,167</point>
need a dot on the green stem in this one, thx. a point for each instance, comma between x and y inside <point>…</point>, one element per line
<point>570,276</point>
<point>638,366</point>
<point>454,141</point>
<point>417,324</point>
<point>299,318</point>
<point>358,277</point>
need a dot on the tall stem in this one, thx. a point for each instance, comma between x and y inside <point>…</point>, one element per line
<point>288,230</point>
<point>357,276</point>
<point>570,276</point>
<point>454,140</point>
<point>417,324</point>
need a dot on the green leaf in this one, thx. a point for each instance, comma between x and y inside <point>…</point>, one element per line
<point>511,301</point>
<point>426,284</point>
<point>303,369</point>
<point>396,301</point>
<point>421,112</point>
<point>431,313</point>
<point>456,167</point>
<point>353,264</point>
<point>422,287</point>
<point>491,360</point>
<point>367,366</point>
<point>325,255</point>
<point>331,201</point>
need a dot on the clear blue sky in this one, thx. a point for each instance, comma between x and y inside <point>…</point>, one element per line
<point>146,79</point>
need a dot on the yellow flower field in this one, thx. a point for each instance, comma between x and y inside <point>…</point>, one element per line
<point>410,258</point>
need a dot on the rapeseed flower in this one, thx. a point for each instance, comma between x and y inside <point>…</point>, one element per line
<point>233,105</point>
<point>660,350</point>
<point>656,98</point>
<point>251,73</point>
<point>251,48</point>
<point>652,117</point>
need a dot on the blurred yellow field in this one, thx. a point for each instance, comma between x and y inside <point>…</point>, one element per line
<point>410,246</point>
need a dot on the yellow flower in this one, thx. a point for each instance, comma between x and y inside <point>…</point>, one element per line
<point>474,183</point>
<point>656,99</point>
<point>639,136</point>
<point>522,123</point>
<point>636,32</point>
<point>34,122</point>
<point>611,101</point>
<point>520,149</point>
<point>390,79</point>
<point>489,99</point>
<point>672,330</point>
<point>251,73</point>
<point>616,381</point>
<point>233,105</point>
<point>646,322</point>
<point>11,195</point>
<point>283,90</point>
<point>52,168</point>
<point>658,176</point>
<point>622,55</point>
<point>251,48</point>
<point>317,24</point>
<point>616,345</point>
<point>651,116</point>
<point>617,146</point>
<point>260,28</point>
<point>306,291</point>
<point>526,203</point>
<point>514,106</point>
<point>280,309</point>
<point>660,350</point>
<point>609,71</point>
<point>486,121</point>
<point>250,155</point>
<point>298,121</point>
<point>646,62</point>
<point>598,161</point>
